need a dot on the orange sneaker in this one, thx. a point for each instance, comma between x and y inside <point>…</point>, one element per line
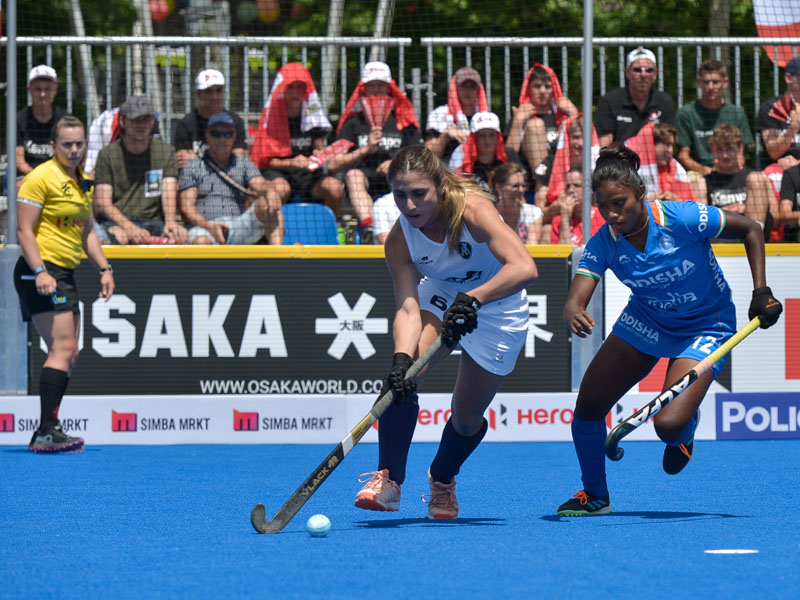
<point>442,502</point>
<point>379,492</point>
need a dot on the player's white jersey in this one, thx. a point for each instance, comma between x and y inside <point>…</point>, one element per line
<point>471,265</point>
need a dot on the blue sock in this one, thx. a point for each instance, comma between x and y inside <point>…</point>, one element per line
<point>454,450</point>
<point>589,438</point>
<point>395,430</point>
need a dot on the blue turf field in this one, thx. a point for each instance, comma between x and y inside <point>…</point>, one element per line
<point>173,522</point>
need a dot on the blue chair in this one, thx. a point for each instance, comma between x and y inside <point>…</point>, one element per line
<point>309,223</point>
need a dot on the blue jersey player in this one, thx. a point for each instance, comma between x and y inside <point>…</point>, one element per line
<point>680,308</point>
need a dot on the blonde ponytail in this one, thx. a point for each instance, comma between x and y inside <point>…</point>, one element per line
<point>454,189</point>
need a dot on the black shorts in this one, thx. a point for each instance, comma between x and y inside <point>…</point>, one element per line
<point>32,302</point>
<point>301,181</point>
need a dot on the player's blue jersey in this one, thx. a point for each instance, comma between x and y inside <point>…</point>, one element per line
<point>677,277</point>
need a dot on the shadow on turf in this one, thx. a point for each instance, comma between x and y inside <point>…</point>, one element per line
<point>27,451</point>
<point>384,523</point>
<point>653,515</point>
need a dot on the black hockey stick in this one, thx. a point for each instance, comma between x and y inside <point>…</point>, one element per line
<point>258,516</point>
<point>656,404</point>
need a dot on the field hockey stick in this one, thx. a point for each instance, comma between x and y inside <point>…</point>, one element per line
<point>656,404</point>
<point>334,459</point>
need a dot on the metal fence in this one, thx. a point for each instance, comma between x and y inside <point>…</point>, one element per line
<point>163,67</point>
<point>678,60</point>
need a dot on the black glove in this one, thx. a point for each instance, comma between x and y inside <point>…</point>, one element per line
<point>396,379</point>
<point>461,318</point>
<point>765,306</point>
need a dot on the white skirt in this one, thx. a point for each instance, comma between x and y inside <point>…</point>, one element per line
<point>502,326</point>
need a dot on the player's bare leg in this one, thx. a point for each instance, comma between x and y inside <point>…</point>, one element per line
<point>676,423</point>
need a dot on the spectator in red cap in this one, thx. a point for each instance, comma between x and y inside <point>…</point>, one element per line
<point>190,131</point>
<point>379,120</point>
<point>535,122</point>
<point>448,125</point>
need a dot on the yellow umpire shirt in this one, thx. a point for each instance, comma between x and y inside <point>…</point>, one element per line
<point>65,210</point>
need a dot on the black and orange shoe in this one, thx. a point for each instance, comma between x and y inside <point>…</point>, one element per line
<point>583,504</point>
<point>677,457</point>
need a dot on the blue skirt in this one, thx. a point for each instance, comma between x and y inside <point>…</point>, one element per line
<point>672,336</point>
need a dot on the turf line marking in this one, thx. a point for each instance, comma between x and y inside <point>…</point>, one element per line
<point>732,551</point>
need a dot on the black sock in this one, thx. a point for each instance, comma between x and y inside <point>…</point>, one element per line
<point>395,430</point>
<point>52,384</point>
<point>454,450</point>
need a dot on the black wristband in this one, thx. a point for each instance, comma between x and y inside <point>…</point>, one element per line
<point>761,291</point>
<point>401,358</point>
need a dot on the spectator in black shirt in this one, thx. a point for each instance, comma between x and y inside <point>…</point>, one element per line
<point>190,132</point>
<point>292,128</point>
<point>622,112</point>
<point>790,203</point>
<point>542,109</point>
<point>35,123</point>
<point>379,119</point>
<point>732,187</point>
<point>779,120</point>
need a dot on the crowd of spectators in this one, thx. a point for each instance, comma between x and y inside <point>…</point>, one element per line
<point>211,187</point>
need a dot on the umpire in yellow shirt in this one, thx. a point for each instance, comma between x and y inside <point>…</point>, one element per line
<point>54,223</point>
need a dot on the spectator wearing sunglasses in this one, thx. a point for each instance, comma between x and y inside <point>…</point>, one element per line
<point>224,197</point>
<point>622,112</point>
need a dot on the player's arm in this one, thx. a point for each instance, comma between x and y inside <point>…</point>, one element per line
<point>407,326</point>
<point>92,248</point>
<point>518,270</point>
<point>739,227</point>
<point>28,212</point>
<point>578,319</point>
<point>763,304</point>
<point>27,216</point>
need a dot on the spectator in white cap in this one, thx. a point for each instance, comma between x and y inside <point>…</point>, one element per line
<point>379,120</point>
<point>190,132</point>
<point>622,112</point>
<point>448,125</point>
<point>35,122</point>
<point>483,151</point>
